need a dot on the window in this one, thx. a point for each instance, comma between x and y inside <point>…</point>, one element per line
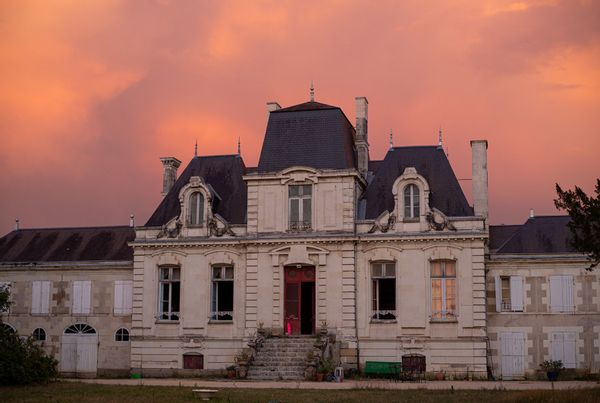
<point>300,212</point>
<point>561,294</point>
<point>193,361</point>
<point>384,290</point>
<point>411,202</point>
<point>222,293</point>
<point>169,287</point>
<point>123,297</point>
<point>122,334</point>
<point>81,297</point>
<point>563,346</point>
<point>196,209</point>
<point>5,286</point>
<point>443,290</point>
<point>80,328</point>
<point>39,334</point>
<point>7,328</point>
<point>509,293</point>
<point>40,297</point>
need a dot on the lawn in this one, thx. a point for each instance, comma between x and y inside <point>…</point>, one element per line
<point>81,392</point>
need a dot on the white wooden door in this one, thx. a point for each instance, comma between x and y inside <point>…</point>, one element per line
<point>513,355</point>
<point>79,353</point>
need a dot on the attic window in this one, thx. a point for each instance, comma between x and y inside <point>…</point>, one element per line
<point>411,202</point>
<point>196,209</point>
<point>300,207</point>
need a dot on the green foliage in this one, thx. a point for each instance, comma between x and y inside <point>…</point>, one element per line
<point>4,298</point>
<point>326,366</point>
<point>584,211</point>
<point>551,365</point>
<point>22,361</point>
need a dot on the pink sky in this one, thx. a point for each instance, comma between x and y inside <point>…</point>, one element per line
<point>92,93</point>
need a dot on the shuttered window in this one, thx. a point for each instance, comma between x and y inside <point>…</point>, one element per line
<point>123,297</point>
<point>563,346</point>
<point>40,297</point>
<point>561,294</point>
<point>82,297</point>
<point>509,293</point>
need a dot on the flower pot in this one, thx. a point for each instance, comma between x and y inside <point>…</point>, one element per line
<point>552,375</point>
<point>439,376</point>
<point>320,377</point>
<point>231,373</point>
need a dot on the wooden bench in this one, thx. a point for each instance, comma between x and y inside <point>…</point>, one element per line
<point>383,368</point>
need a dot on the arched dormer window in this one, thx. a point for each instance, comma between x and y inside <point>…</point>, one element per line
<point>412,208</point>
<point>196,209</point>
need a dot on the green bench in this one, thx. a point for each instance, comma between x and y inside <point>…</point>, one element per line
<point>383,368</point>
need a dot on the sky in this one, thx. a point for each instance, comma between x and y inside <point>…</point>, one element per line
<point>93,93</point>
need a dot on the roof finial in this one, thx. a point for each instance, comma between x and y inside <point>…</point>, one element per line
<point>312,91</point>
<point>131,220</point>
<point>196,149</point>
<point>391,140</point>
<point>440,145</point>
<point>17,224</point>
<point>239,147</point>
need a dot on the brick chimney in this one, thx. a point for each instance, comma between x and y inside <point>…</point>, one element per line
<point>480,177</point>
<point>170,165</point>
<point>362,136</point>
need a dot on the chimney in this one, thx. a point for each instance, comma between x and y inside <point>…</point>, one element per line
<point>170,165</point>
<point>362,136</point>
<point>17,224</point>
<point>272,106</point>
<point>480,177</point>
<point>132,221</point>
<point>531,213</point>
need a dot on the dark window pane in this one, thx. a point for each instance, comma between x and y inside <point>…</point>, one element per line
<point>226,296</point>
<point>175,297</point>
<point>306,211</point>
<point>387,294</point>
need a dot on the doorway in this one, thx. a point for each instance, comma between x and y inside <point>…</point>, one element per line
<point>299,300</point>
<point>79,349</point>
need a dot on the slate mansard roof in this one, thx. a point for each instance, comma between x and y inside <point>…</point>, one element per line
<point>538,235</point>
<point>430,162</point>
<point>310,134</point>
<point>67,245</point>
<point>224,174</point>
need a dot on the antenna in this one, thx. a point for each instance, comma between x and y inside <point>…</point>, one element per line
<point>391,140</point>
<point>239,147</point>
<point>196,149</point>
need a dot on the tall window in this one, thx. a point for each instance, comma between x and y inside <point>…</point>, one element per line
<point>443,289</point>
<point>384,290</point>
<point>564,348</point>
<point>40,297</point>
<point>411,202</point>
<point>82,297</point>
<point>196,209</point>
<point>300,197</point>
<point>168,293</point>
<point>509,293</point>
<point>222,293</point>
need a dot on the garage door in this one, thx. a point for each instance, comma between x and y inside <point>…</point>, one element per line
<point>79,349</point>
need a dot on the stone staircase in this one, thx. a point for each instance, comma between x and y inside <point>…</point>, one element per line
<point>281,358</point>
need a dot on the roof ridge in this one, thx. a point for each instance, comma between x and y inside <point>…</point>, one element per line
<point>72,228</point>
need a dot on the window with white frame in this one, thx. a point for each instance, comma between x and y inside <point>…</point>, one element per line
<point>82,297</point>
<point>383,277</point>
<point>40,297</point>
<point>411,201</point>
<point>300,207</point>
<point>122,334</point>
<point>123,297</point>
<point>169,287</point>
<point>222,293</point>
<point>561,294</point>
<point>563,346</point>
<point>196,209</point>
<point>443,290</point>
<point>509,293</point>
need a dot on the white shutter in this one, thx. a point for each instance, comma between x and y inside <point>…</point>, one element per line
<point>36,297</point>
<point>516,293</point>
<point>45,297</point>
<point>82,296</point>
<point>557,346</point>
<point>570,350</point>
<point>556,294</point>
<point>77,297</point>
<point>567,288</point>
<point>498,283</point>
<point>128,297</point>
<point>118,297</point>
<point>87,296</point>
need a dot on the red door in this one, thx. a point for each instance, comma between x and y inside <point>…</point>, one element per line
<point>299,297</point>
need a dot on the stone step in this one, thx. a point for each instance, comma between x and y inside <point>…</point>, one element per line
<point>275,365</point>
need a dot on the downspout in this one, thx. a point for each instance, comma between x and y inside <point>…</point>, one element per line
<point>356,303</point>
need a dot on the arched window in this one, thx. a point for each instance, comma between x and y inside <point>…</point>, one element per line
<point>122,334</point>
<point>196,209</point>
<point>39,334</point>
<point>8,328</point>
<point>411,201</point>
<point>80,328</point>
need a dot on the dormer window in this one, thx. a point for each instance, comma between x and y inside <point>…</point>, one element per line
<point>411,202</point>
<point>300,207</point>
<point>196,209</point>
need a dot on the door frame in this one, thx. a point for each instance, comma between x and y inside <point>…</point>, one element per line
<point>303,278</point>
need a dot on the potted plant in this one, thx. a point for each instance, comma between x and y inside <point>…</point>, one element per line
<point>231,371</point>
<point>440,376</point>
<point>325,368</point>
<point>242,360</point>
<point>552,369</point>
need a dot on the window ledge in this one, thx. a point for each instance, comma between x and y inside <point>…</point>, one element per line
<point>166,322</point>
<point>443,320</point>
<point>416,219</point>
<point>220,322</point>
<point>384,321</point>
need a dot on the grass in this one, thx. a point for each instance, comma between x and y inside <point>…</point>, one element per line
<point>81,392</point>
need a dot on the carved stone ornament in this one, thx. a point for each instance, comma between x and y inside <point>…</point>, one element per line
<point>384,222</point>
<point>438,221</point>
<point>218,226</point>
<point>170,229</point>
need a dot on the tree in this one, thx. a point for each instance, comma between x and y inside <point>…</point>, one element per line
<point>22,360</point>
<point>584,211</point>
